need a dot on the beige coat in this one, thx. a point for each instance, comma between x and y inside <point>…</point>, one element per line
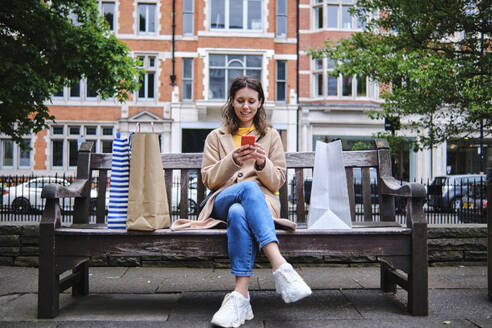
<point>219,171</point>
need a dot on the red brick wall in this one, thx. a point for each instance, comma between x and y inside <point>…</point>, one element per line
<point>39,151</point>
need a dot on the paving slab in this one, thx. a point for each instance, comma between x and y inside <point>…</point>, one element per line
<point>458,277</point>
<point>200,307</point>
<point>194,279</point>
<point>364,323</point>
<point>150,297</point>
<point>18,280</point>
<point>321,305</point>
<point>97,307</point>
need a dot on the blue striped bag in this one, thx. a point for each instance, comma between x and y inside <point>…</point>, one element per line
<point>119,181</point>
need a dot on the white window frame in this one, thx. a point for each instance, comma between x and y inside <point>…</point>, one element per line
<point>244,18</point>
<point>147,58</point>
<point>67,136</point>
<point>19,153</point>
<point>277,80</point>
<point>86,92</point>
<point>191,14</point>
<point>3,143</point>
<point>137,20</point>
<point>228,67</point>
<point>16,153</point>
<point>188,79</point>
<point>323,5</point>
<point>80,96</point>
<point>282,15</point>
<point>115,20</point>
<point>323,71</point>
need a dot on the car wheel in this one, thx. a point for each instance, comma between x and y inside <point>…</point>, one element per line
<point>21,206</point>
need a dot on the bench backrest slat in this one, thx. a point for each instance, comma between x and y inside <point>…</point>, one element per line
<point>361,158</point>
<point>296,162</point>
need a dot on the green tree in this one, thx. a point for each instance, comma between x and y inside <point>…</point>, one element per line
<point>433,57</point>
<point>45,45</point>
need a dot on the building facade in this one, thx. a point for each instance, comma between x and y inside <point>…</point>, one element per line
<point>190,51</point>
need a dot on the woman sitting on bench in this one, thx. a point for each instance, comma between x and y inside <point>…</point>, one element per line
<point>245,179</point>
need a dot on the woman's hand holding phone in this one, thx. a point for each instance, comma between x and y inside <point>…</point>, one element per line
<point>249,150</point>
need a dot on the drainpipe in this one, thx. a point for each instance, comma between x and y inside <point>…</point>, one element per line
<point>173,60</point>
<point>297,77</point>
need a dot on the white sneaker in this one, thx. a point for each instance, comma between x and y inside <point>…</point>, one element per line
<point>235,309</point>
<point>289,284</point>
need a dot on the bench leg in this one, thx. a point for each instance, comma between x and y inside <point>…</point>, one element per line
<point>81,287</point>
<point>418,297</point>
<point>386,284</point>
<point>48,293</point>
<point>48,278</point>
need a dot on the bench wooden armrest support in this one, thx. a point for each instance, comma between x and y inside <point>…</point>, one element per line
<point>78,188</point>
<point>401,250</point>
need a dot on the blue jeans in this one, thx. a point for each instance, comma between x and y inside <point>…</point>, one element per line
<point>249,224</point>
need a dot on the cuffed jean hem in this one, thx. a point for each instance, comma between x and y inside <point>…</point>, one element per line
<point>268,241</point>
<point>242,273</point>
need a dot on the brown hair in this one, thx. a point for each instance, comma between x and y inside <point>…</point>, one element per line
<point>231,121</point>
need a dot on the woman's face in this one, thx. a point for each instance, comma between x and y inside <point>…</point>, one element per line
<point>246,104</point>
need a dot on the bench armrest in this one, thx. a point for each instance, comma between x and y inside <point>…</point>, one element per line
<point>390,186</point>
<point>75,189</point>
<point>414,192</point>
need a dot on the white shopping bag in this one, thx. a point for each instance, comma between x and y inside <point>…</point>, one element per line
<point>329,206</point>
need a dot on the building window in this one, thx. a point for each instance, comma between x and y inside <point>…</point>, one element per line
<point>236,15</point>
<point>59,93</point>
<point>147,81</point>
<point>225,68</point>
<point>13,156</point>
<point>7,153</point>
<point>188,16</point>
<point>90,92</point>
<point>75,90</point>
<point>24,160</point>
<point>57,153</point>
<point>66,140</point>
<point>342,86</point>
<point>81,90</point>
<point>335,14</point>
<point>361,86</point>
<point>331,81</point>
<point>282,18</point>
<point>318,77</point>
<point>107,9</point>
<point>187,78</point>
<point>107,146</point>
<point>146,17</point>
<point>107,131</point>
<point>281,80</point>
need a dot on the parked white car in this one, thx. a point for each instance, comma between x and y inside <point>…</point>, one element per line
<point>26,197</point>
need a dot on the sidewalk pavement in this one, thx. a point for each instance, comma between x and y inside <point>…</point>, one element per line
<point>184,297</point>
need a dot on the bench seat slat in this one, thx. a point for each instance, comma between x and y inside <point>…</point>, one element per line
<point>213,232</point>
<point>214,243</point>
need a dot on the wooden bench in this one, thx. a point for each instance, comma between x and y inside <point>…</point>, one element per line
<point>401,250</point>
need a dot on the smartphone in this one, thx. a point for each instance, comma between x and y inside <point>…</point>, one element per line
<point>247,140</point>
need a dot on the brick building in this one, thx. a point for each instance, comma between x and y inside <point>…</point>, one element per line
<point>189,59</point>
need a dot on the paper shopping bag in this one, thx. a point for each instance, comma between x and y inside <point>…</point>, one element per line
<point>147,199</point>
<point>118,185</point>
<point>329,206</point>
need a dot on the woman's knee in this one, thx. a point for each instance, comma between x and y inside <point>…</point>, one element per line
<point>236,215</point>
<point>251,187</point>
